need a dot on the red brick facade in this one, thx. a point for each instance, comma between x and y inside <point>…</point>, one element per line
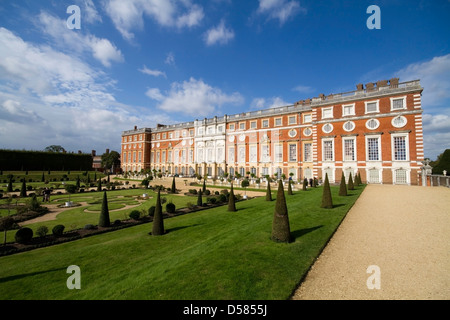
<point>376,131</point>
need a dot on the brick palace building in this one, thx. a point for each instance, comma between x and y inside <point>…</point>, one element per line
<point>376,130</point>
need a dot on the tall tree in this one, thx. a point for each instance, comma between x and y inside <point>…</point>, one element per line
<point>23,191</point>
<point>110,160</point>
<point>199,198</point>
<point>158,221</point>
<point>54,148</point>
<point>327,201</point>
<point>268,191</point>
<point>350,185</point>
<point>290,188</point>
<point>280,226</point>
<point>232,200</point>
<point>173,186</point>
<point>343,186</point>
<point>104,215</point>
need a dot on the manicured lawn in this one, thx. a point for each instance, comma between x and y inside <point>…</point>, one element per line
<point>77,217</point>
<point>211,254</point>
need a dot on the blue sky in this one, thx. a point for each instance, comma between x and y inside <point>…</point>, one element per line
<point>142,62</point>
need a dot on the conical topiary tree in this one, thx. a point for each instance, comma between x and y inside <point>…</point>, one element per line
<point>104,214</point>
<point>232,201</point>
<point>204,186</point>
<point>99,185</point>
<point>350,182</point>
<point>268,192</point>
<point>305,184</point>
<point>327,201</point>
<point>357,181</point>
<point>199,198</point>
<point>10,184</point>
<point>23,191</point>
<point>343,186</point>
<point>158,221</point>
<point>281,231</point>
<point>173,190</point>
<point>289,188</point>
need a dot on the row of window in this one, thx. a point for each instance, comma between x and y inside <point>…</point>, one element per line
<point>398,103</point>
<point>399,147</point>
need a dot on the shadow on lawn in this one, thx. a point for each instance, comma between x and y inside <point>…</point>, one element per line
<point>20,276</point>
<point>170,230</point>
<point>298,233</point>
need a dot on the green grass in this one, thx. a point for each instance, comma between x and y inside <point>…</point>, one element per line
<point>211,254</point>
<point>77,217</point>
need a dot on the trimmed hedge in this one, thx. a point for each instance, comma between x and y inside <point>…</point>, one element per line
<point>17,160</point>
<point>24,235</point>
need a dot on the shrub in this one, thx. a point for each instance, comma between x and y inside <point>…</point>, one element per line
<point>268,192</point>
<point>89,227</point>
<point>163,200</point>
<point>170,207</point>
<point>42,231</point>
<point>350,182</point>
<point>135,215</point>
<point>158,221</point>
<point>222,198</point>
<point>327,201</point>
<point>24,235</point>
<point>199,198</point>
<point>58,230</point>
<point>211,200</point>
<point>280,225</point>
<point>193,191</point>
<point>151,211</point>
<point>104,214</point>
<point>207,192</point>
<point>343,186</point>
<point>190,205</point>
<point>231,201</point>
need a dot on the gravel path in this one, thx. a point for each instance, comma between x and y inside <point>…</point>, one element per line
<point>404,230</point>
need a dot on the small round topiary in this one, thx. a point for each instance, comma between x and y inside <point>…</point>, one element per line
<point>135,215</point>
<point>170,207</point>
<point>151,211</point>
<point>89,227</point>
<point>58,230</point>
<point>24,235</point>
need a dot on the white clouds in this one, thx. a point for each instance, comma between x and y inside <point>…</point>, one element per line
<point>49,97</point>
<point>155,73</point>
<point>170,59</point>
<point>280,9</point>
<point>263,103</point>
<point>75,42</point>
<point>194,98</point>
<point>90,13</point>
<point>433,75</point>
<point>220,34</point>
<point>128,16</point>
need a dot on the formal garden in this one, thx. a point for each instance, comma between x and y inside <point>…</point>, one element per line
<point>149,242</point>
